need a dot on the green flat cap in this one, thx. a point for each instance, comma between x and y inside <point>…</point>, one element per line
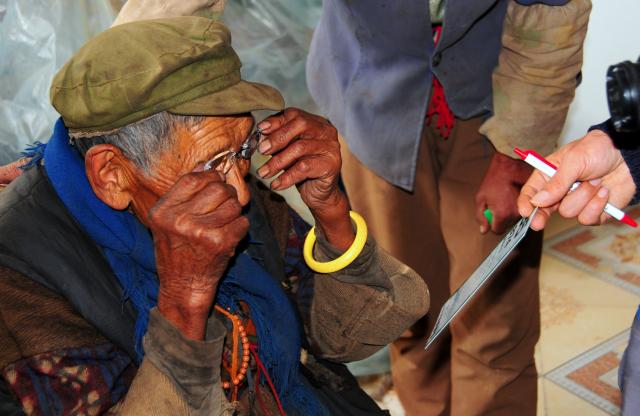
<point>184,65</point>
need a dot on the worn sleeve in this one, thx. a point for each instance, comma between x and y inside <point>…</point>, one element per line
<point>155,9</point>
<point>51,358</point>
<point>358,310</point>
<point>537,73</point>
<point>178,376</point>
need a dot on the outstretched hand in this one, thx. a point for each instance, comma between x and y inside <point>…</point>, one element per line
<point>592,160</point>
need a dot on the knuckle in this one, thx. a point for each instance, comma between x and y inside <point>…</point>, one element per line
<point>300,147</point>
<point>230,190</point>
<point>182,224</point>
<point>298,124</point>
<point>304,166</point>
<point>234,208</point>
<point>243,224</point>
<point>217,240</point>
<point>191,179</point>
<point>292,112</point>
<point>219,191</point>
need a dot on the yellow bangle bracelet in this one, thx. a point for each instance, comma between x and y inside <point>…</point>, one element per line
<point>346,258</point>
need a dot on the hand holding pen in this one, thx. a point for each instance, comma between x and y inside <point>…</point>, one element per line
<point>605,183</point>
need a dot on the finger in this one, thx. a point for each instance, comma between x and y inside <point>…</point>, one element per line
<point>209,199</point>
<point>504,216</point>
<point>189,184</point>
<point>559,184</point>
<point>313,167</point>
<point>525,207</point>
<point>531,187</point>
<point>592,212</point>
<point>278,139</point>
<point>274,122</point>
<point>500,223</point>
<point>287,157</point>
<point>541,218</point>
<point>224,213</point>
<point>572,204</point>
<point>481,205</point>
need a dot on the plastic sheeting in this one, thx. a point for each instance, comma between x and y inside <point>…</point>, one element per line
<point>38,36</point>
<point>36,39</point>
<point>272,39</point>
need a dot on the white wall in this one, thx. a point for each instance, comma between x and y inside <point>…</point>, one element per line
<point>613,36</point>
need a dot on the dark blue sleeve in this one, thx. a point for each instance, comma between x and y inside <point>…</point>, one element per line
<point>547,2</point>
<point>629,145</point>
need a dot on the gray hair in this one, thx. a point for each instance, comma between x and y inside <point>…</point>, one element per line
<point>144,141</point>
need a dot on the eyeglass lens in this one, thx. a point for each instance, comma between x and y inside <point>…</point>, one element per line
<point>224,161</point>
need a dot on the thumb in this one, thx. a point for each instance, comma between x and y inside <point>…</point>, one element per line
<point>481,206</point>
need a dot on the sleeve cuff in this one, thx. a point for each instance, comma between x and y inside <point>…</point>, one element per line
<point>363,270</point>
<point>194,366</point>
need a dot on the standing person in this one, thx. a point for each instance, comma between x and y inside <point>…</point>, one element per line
<point>415,116</point>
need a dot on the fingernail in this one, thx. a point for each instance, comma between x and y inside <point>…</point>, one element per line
<point>264,125</point>
<point>539,197</point>
<point>595,182</point>
<point>264,146</point>
<point>603,192</point>
<point>482,229</point>
<point>275,184</point>
<point>263,171</point>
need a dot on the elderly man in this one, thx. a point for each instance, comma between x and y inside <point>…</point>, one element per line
<point>140,273</point>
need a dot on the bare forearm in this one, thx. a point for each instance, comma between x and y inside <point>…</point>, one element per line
<point>335,223</point>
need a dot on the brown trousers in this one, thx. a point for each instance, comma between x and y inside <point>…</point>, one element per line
<point>486,365</point>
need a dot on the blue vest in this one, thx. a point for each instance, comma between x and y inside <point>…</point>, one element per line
<point>370,67</point>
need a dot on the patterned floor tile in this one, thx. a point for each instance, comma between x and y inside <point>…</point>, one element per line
<point>593,375</point>
<point>610,252</point>
<point>578,312</point>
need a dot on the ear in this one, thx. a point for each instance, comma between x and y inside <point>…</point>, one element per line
<point>108,171</point>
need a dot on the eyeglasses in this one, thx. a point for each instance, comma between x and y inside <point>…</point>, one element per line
<point>223,162</point>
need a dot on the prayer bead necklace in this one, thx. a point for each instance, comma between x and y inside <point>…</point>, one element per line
<point>238,367</point>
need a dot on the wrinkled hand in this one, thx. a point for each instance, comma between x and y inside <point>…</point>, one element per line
<point>592,159</point>
<point>499,191</point>
<point>196,226</point>
<point>305,148</point>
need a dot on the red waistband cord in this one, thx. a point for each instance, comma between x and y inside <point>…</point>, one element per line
<point>261,369</point>
<point>438,103</point>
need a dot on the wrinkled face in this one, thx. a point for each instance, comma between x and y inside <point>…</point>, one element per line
<point>193,147</point>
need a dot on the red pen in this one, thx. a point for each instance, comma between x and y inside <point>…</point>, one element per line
<point>549,169</point>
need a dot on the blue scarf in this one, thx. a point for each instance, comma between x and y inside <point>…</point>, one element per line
<point>128,247</point>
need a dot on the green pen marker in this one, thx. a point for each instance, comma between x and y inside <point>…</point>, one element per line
<point>488,215</point>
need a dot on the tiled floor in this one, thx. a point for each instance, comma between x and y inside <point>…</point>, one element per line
<point>589,294</point>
